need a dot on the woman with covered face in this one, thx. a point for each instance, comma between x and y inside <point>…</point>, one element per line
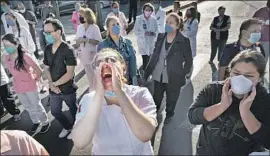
<point>235,114</point>
<point>116,118</point>
<point>75,19</point>
<point>88,37</point>
<point>169,65</point>
<point>123,45</point>
<point>146,30</point>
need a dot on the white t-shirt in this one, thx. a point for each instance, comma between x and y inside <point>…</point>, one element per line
<point>114,135</point>
<point>4,77</point>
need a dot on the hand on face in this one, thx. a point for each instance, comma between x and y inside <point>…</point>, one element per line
<point>116,78</point>
<point>226,97</point>
<point>247,101</point>
<point>99,85</point>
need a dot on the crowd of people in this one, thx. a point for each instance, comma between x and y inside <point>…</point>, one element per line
<point>119,114</point>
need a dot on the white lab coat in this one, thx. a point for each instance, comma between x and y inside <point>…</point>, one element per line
<point>21,20</point>
<point>161,19</point>
<point>145,43</point>
<point>26,40</point>
<point>123,22</point>
<point>190,31</point>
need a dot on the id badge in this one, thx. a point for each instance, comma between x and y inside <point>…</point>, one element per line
<point>144,26</point>
<point>165,62</point>
<point>266,22</point>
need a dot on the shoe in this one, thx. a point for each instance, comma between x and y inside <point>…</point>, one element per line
<point>17,117</point>
<point>45,128</point>
<point>35,127</point>
<point>167,120</point>
<point>64,133</point>
<point>43,90</point>
<point>210,62</point>
<point>69,137</point>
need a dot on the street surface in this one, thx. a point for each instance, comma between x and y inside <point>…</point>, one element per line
<point>178,137</point>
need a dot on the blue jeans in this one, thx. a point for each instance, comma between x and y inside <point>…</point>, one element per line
<point>56,101</point>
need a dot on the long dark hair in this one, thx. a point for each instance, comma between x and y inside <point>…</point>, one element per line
<point>16,22</point>
<point>19,62</point>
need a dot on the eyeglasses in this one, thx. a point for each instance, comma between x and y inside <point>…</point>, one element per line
<point>48,33</point>
<point>110,59</point>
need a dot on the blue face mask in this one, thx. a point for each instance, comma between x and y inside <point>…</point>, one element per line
<point>254,37</point>
<point>10,22</point>
<point>50,39</point>
<point>168,28</point>
<point>110,94</point>
<point>115,10</point>
<point>116,29</point>
<point>10,50</point>
<point>4,8</point>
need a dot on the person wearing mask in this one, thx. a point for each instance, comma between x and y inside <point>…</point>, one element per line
<point>176,8</point>
<point>169,66</point>
<point>191,29</point>
<point>132,10</point>
<point>121,16</point>
<point>75,19</point>
<point>16,142</point>
<point>60,62</point>
<point>235,114</point>
<point>219,33</point>
<point>146,30</point>
<point>198,14</point>
<point>88,37</point>
<point>160,15</point>
<point>26,73</point>
<point>26,41</point>
<point>6,99</point>
<point>263,14</point>
<point>46,10</point>
<point>249,37</point>
<point>115,112</point>
<point>32,21</point>
<point>42,41</point>
<point>5,7</point>
<point>124,46</point>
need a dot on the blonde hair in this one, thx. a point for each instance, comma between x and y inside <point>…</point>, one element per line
<point>89,16</point>
<point>109,19</point>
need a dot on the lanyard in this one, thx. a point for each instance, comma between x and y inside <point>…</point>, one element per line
<point>167,51</point>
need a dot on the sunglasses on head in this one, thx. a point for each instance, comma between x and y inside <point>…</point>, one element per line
<point>109,59</point>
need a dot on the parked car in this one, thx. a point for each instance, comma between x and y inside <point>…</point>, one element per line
<point>67,7</point>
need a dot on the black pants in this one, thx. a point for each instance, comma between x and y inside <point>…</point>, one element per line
<point>132,11</point>
<point>217,45</point>
<point>145,59</point>
<point>172,95</point>
<point>7,101</point>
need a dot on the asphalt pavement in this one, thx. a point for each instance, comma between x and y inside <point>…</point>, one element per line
<point>179,137</point>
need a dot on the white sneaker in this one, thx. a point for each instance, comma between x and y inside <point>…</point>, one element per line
<point>64,133</point>
<point>69,137</point>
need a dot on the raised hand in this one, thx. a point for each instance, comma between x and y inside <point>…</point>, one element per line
<point>226,97</point>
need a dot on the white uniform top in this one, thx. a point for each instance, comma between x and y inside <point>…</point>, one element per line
<point>4,77</point>
<point>88,50</point>
<point>161,19</point>
<point>145,43</point>
<point>190,31</point>
<point>123,22</point>
<point>21,20</point>
<point>113,134</point>
<point>26,40</point>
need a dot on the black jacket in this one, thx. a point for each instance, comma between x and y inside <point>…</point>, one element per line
<point>179,59</point>
<point>227,135</point>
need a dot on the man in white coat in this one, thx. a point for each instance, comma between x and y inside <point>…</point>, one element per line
<point>5,7</point>
<point>146,30</point>
<point>160,15</point>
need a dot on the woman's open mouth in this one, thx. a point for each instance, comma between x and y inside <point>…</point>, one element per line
<point>107,77</point>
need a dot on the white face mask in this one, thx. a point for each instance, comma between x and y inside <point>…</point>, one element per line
<point>240,85</point>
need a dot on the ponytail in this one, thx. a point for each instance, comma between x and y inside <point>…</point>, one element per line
<point>20,62</point>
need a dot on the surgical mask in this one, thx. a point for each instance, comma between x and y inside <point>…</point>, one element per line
<point>147,13</point>
<point>116,29</point>
<point>81,19</point>
<point>240,85</point>
<point>254,37</point>
<point>10,50</point>
<point>110,94</point>
<point>10,22</point>
<point>168,28</point>
<point>22,10</point>
<point>4,8</point>
<point>50,39</point>
<point>115,10</point>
